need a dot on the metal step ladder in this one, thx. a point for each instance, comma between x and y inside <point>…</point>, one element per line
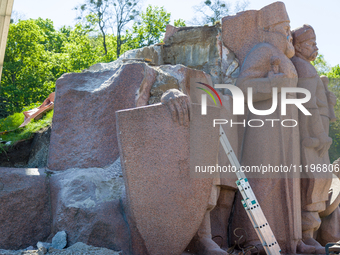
<point>250,202</point>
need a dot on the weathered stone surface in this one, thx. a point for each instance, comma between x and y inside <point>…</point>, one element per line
<point>164,81</point>
<point>84,127</point>
<point>219,217</point>
<point>195,47</point>
<point>199,48</point>
<point>329,230</point>
<point>59,240</point>
<point>170,31</point>
<point>166,203</point>
<point>42,251</point>
<point>43,244</point>
<point>240,33</point>
<point>24,212</point>
<point>9,252</point>
<point>154,53</point>
<point>171,77</point>
<point>86,203</point>
<point>333,197</point>
<point>81,248</point>
<point>243,34</point>
<point>39,148</point>
<point>76,249</point>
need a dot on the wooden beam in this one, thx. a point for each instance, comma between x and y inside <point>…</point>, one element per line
<point>5,19</point>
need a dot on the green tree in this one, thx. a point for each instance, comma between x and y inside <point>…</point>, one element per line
<point>321,65</point>
<point>80,50</point>
<point>27,75</point>
<point>334,128</point>
<point>334,72</point>
<point>151,27</point>
<point>179,23</point>
<point>96,11</point>
<point>124,12</point>
<point>37,55</point>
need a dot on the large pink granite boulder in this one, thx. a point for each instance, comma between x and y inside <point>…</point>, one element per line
<point>84,122</point>
<point>24,211</point>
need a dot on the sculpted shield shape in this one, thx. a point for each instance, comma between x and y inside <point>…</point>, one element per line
<point>167,204</point>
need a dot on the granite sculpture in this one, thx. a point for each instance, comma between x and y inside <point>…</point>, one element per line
<point>315,141</point>
<point>158,208</point>
<point>264,46</point>
<point>163,198</point>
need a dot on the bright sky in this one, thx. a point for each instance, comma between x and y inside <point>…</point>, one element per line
<point>323,16</point>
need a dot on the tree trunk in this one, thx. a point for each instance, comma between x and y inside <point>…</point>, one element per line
<point>119,43</point>
<point>104,41</point>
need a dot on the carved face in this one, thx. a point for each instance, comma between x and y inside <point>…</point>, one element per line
<point>308,49</point>
<point>290,50</point>
<point>284,30</point>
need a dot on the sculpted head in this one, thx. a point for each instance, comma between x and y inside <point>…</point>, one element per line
<point>304,41</point>
<point>274,21</point>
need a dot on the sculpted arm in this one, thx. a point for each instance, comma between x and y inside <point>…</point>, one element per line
<point>178,104</point>
<point>313,133</point>
<point>261,72</point>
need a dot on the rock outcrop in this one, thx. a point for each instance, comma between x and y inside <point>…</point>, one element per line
<point>83,193</point>
<point>84,126</point>
<point>86,204</point>
<point>25,215</point>
<point>78,248</point>
<point>39,148</point>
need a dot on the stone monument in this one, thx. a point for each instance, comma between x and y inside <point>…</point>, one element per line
<point>263,45</point>
<point>313,133</point>
<point>131,119</point>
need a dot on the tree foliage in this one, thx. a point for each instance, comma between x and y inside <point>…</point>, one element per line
<point>179,23</point>
<point>334,72</point>
<point>151,27</point>
<point>96,12</point>
<point>321,65</point>
<point>124,12</point>
<point>37,55</point>
<point>27,70</point>
<point>109,14</point>
<point>334,128</point>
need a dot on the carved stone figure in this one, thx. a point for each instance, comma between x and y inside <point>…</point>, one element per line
<point>262,41</point>
<point>313,133</point>
<point>178,103</point>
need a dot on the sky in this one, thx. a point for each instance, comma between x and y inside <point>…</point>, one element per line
<point>323,16</point>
